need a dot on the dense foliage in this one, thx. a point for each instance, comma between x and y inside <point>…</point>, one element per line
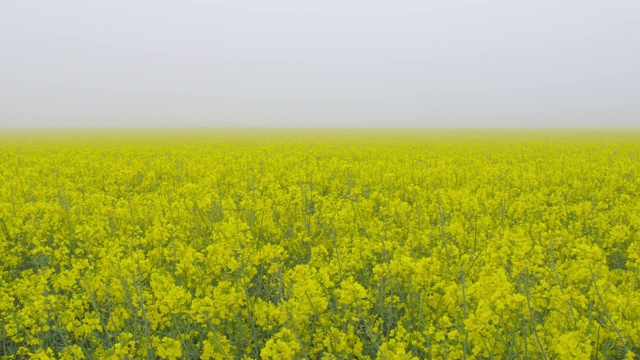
<point>326,244</point>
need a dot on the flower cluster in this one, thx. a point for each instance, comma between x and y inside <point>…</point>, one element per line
<point>335,245</point>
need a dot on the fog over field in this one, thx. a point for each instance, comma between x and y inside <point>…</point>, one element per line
<point>324,63</point>
<point>281,180</point>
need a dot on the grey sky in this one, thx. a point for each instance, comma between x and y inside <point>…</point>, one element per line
<point>319,63</point>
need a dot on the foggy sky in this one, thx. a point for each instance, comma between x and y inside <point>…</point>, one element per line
<point>319,63</point>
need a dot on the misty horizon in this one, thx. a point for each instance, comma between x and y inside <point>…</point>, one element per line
<point>332,64</point>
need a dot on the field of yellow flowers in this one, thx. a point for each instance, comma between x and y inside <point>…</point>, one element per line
<point>353,244</point>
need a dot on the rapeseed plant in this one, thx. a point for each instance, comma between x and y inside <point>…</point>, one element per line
<point>335,245</point>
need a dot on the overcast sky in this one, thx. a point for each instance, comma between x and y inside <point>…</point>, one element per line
<point>319,63</point>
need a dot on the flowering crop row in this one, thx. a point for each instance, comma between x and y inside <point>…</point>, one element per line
<point>327,244</point>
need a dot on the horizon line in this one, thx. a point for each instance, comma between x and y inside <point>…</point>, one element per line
<point>323,128</point>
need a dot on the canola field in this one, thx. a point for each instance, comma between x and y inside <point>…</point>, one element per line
<point>291,244</point>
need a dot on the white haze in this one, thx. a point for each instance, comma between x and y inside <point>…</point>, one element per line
<point>346,63</point>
